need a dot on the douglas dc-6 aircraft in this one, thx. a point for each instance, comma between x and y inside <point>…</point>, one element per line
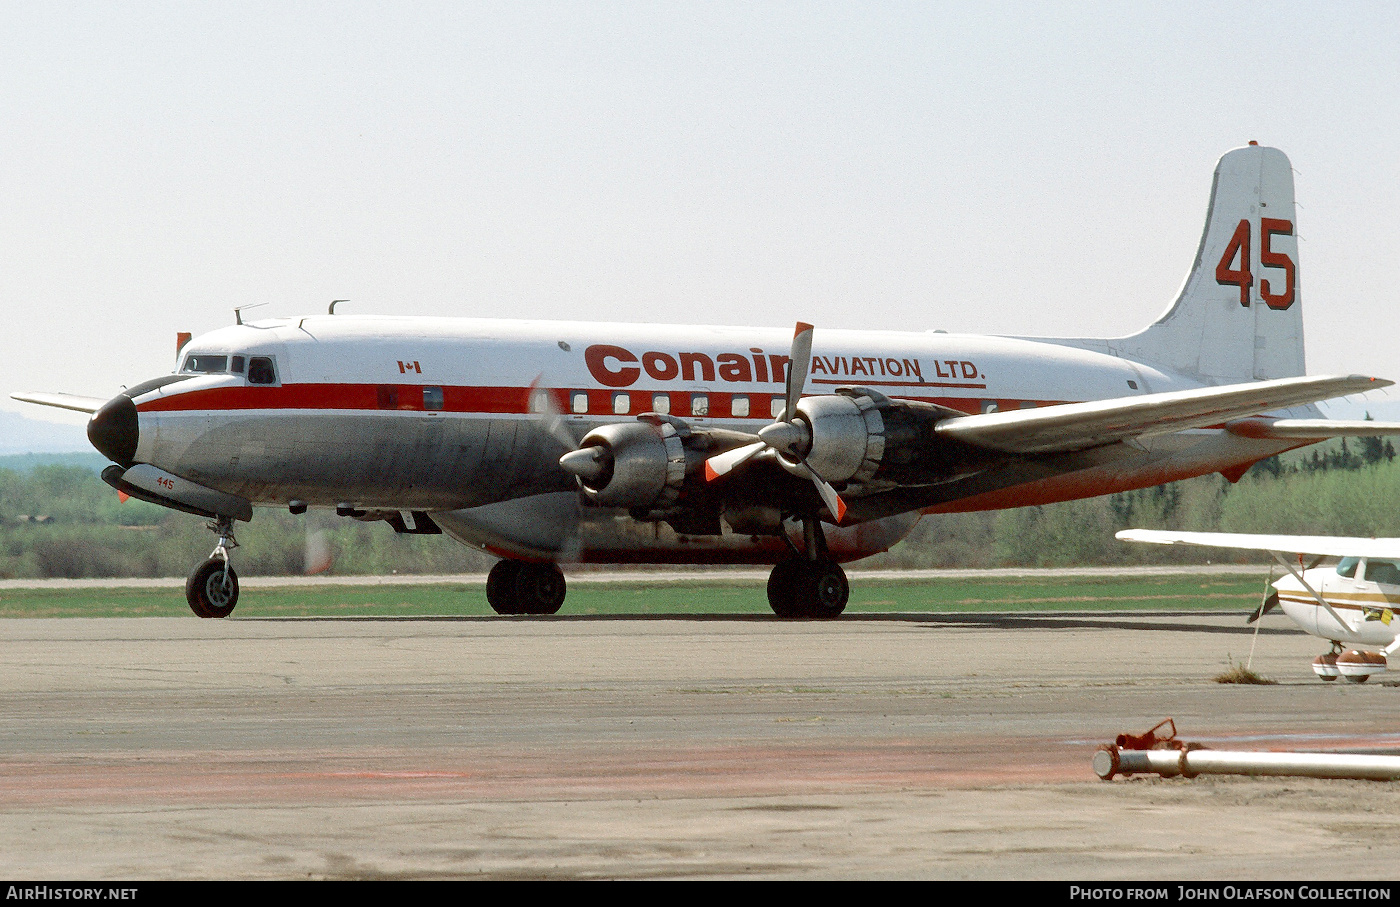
<point>1352,603</point>
<point>577,442</point>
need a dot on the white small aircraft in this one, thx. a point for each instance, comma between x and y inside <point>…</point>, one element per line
<point>1350,604</point>
<point>549,442</point>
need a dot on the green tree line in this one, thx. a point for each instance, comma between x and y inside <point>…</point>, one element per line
<point>60,520</point>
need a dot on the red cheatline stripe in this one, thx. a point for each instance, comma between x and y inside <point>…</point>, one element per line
<point>504,400</point>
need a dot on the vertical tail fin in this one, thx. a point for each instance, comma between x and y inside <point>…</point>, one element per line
<point>1239,315</point>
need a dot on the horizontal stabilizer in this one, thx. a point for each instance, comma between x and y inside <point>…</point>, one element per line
<point>1077,426</point>
<point>62,401</point>
<point>1325,545</point>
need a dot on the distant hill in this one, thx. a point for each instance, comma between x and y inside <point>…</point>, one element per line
<point>21,435</point>
<point>26,461</point>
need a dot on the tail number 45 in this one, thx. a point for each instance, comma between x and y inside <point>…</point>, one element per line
<point>1226,274</point>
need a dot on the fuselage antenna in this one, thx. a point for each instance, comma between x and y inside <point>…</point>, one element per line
<point>331,310</point>
<point>238,311</point>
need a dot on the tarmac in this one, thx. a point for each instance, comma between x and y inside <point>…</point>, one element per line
<point>925,746</point>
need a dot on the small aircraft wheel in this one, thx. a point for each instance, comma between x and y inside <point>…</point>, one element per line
<point>500,587</point>
<point>540,589</point>
<point>212,589</point>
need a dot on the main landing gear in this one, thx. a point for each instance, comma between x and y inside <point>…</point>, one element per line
<point>809,584</point>
<point>518,587</point>
<point>212,589</point>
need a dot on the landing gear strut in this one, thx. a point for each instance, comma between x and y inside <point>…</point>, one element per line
<point>809,584</point>
<point>517,587</point>
<point>212,589</point>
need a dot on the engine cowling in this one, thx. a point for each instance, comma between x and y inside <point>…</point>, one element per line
<point>862,438</point>
<point>636,465</point>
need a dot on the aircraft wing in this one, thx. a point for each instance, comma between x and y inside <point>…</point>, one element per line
<point>1077,426</point>
<point>62,401</point>
<point>1326,545</point>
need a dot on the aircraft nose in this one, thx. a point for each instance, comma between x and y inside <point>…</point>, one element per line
<point>113,430</point>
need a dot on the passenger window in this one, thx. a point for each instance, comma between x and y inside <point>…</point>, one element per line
<point>622,404</point>
<point>432,398</point>
<point>1347,567</point>
<point>260,371</point>
<point>1383,572</point>
<point>776,407</point>
<point>387,396</point>
<point>206,365</point>
<point>580,404</point>
<point>699,405</point>
<point>660,403</point>
<point>739,406</point>
<point>236,366</point>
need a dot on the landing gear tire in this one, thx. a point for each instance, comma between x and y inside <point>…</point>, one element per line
<point>799,588</point>
<point>515,587</point>
<point>212,589</point>
<point>500,587</point>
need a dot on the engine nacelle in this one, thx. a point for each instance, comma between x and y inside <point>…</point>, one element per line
<point>640,465</point>
<point>848,435</point>
<point>862,438</point>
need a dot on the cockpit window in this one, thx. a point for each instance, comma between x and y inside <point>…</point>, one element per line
<point>205,365</point>
<point>260,371</point>
<point>1347,567</point>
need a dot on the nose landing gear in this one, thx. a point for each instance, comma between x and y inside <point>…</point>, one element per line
<point>212,588</point>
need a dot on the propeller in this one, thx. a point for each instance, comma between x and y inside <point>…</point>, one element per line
<point>787,438</point>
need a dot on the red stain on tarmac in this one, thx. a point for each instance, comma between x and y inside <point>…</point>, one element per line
<point>486,774</point>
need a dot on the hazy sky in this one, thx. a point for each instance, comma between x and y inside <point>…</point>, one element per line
<point>1026,168</point>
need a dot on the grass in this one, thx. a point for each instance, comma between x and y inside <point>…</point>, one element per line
<point>699,596</point>
<point>1242,674</point>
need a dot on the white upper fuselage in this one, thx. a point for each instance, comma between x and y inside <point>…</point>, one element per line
<point>436,413</point>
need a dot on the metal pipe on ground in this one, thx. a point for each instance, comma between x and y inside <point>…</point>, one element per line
<point>1189,762</point>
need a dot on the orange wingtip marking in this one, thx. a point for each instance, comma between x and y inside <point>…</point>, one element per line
<point>123,496</point>
<point>710,474</point>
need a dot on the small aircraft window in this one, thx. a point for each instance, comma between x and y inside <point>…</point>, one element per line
<point>387,396</point>
<point>739,406</point>
<point>660,403</point>
<point>206,365</point>
<point>260,371</point>
<point>432,398</point>
<point>776,407</point>
<point>699,405</point>
<point>622,404</point>
<point>1383,572</point>
<point>236,366</point>
<point>1347,567</point>
<point>539,401</point>
<point>580,402</point>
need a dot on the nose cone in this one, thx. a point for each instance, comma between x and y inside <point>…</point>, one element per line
<point>113,430</point>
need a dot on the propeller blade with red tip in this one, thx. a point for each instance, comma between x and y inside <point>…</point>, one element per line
<point>829,496</point>
<point>799,360</point>
<point>723,464</point>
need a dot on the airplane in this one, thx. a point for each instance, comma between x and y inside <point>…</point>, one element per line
<point>574,442</point>
<point>1350,604</point>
